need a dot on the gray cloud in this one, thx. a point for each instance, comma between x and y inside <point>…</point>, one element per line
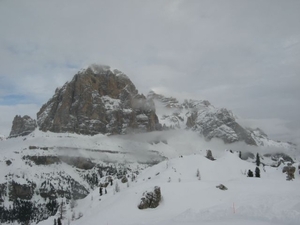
<point>242,55</point>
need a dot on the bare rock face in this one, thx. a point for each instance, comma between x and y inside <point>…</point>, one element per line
<point>22,126</point>
<point>22,191</point>
<point>98,100</point>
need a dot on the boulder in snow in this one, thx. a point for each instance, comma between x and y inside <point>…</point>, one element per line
<point>222,187</point>
<point>150,199</point>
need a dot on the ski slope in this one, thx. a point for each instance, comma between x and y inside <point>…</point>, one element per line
<point>187,200</point>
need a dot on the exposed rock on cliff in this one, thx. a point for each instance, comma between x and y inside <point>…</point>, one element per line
<point>22,126</point>
<point>98,100</point>
<point>202,117</point>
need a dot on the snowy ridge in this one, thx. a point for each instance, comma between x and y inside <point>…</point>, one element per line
<point>262,139</point>
<point>211,122</point>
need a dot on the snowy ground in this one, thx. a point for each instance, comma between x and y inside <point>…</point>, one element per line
<point>186,200</point>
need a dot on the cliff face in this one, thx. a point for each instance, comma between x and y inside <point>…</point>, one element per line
<point>22,126</point>
<point>98,100</point>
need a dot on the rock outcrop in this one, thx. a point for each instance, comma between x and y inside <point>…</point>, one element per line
<point>209,155</point>
<point>22,126</point>
<point>150,199</point>
<point>22,191</point>
<point>222,187</point>
<point>290,172</point>
<point>98,100</point>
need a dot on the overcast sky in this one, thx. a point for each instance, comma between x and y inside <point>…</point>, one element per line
<point>242,55</point>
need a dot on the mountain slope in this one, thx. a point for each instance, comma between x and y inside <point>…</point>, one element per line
<point>209,121</point>
<point>188,200</point>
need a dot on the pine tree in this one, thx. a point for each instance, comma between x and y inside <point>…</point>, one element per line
<point>54,221</point>
<point>62,210</point>
<point>59,221</point>
<point>257,172</point>
<point>257,160</point>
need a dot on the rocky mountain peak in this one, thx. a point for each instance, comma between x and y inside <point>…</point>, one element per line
<point>98,100</point>
<point>22,126</point>
<point>168,102</point>
<point>202,117</point>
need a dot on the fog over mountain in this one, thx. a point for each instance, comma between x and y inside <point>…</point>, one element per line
<point>243,56</point>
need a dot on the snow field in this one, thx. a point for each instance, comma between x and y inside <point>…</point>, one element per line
<point>264,201</point>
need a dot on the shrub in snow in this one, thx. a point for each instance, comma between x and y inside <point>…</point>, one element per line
<point>150,199</point>
<point>198,174</point>
<point>124,179</point>
<point>209,155</point>
<point>133,177</point>
<point>250,173</point>
<point>290,171</point>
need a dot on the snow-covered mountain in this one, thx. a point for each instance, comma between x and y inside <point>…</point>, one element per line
<point>211,122</point>
<point>95,132</point>
<point>104,100</point>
